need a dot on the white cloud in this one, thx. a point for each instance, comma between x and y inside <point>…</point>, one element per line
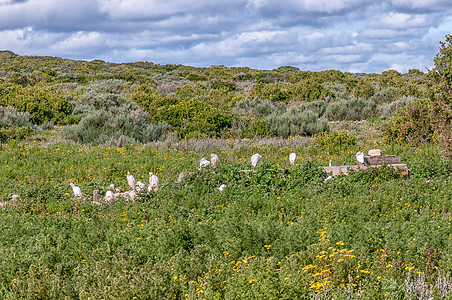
<point>361,35</point>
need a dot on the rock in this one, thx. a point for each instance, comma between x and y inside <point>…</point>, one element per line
<point>375,152</point>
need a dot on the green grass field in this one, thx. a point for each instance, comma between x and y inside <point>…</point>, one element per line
<point>268,235</point>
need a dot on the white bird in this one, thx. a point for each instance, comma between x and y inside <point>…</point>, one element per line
<point>15,197</point>
<point>329,164</point>
<point>255,159</point>
<point>360,157</point>
<point>77,191</point>
<point>153,182</point>
<point>140,186</point>
<point>131,180</point>
<point>328,178</point>
<point>214,160</point>
<point>292,158</point>
<point>110,196</point>
<point>203,163</point>
<point>222,187</point>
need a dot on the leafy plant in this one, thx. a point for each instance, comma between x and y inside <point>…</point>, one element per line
<point>332,142</point>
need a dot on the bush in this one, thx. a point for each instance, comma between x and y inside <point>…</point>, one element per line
<point>253,107</point>
<point>42,104</point>
<point>111,119</point>
<point>350,110</point>
<point>332,142</point>
<point>388,109</point>
<point>412,124</point>
<point>15,133</point>
<point>191,115</point>
<point>248,127</point>
<point>103,128</point>
<point>296,121</point>
<point>385,95</point>
<point>9,116</point>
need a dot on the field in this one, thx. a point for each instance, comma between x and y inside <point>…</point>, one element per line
<point>268,235</point>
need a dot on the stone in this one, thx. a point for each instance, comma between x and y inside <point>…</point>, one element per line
<point>375,152</point>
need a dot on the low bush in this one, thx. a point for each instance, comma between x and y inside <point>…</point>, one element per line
<point>332,142</point>
<point>386,110</point>
<point>412,124</point>
<point>296,121</point>
<point>350,110</point>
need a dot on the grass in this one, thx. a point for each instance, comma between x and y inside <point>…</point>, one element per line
<point>269,235</point>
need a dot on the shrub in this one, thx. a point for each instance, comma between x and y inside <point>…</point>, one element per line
<point>103,128</point>
<point>332,142</point>
<point>110,86</point>
<point>253,107</point>
<point>296,121</point>
<point>9,116</point>
<point>191,115</point>
<point>385,95</point>
<point>15,133</point>
<point>412,124</point>
<point>350,110</point>
<point>248,127</point>
<point>388,109</point>
<point>42,104</point>
<point>111,119</point>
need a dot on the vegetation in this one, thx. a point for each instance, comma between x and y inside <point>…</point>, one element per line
<point>278,231</point>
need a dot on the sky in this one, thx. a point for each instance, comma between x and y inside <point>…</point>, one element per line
<point>368,36</point>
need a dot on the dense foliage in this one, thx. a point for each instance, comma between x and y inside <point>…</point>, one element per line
<point>202,102</point>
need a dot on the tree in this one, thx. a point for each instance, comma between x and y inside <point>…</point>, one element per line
<point>443,95</point>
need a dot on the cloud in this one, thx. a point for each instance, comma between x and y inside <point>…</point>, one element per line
<point>359,35</point>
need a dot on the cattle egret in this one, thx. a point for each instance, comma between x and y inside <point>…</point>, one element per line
<point>328,178</point>
<point>140,186</point>
<point>203,163</point>
<point>77,191</point>
<point>255,159</point>
<point>131,180</point>
<point>222,187</point>
<point>153,182</point>
<point>360,157</point>
<point>292,158</point>
<point>214,160</point>
<point>329,164</point>
<point>110,196</point>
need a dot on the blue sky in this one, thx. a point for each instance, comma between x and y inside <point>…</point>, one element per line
<point>348,35</point>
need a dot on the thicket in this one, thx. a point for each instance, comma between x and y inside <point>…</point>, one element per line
<point>430,119</point>
<point>112,120</point>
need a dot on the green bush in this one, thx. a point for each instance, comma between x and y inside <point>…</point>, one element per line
<point>412,124</point>
<point>15,133</point>
<point>41,103</point>
<point>254,107</point>
<point>332,142</point>
<point>296,121</point>
<point>191,115</point>
<point>103,128</point>
<point>350,110</point>
<point>249,127</point>
<point>388,109</point>
<point>9,116</point>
